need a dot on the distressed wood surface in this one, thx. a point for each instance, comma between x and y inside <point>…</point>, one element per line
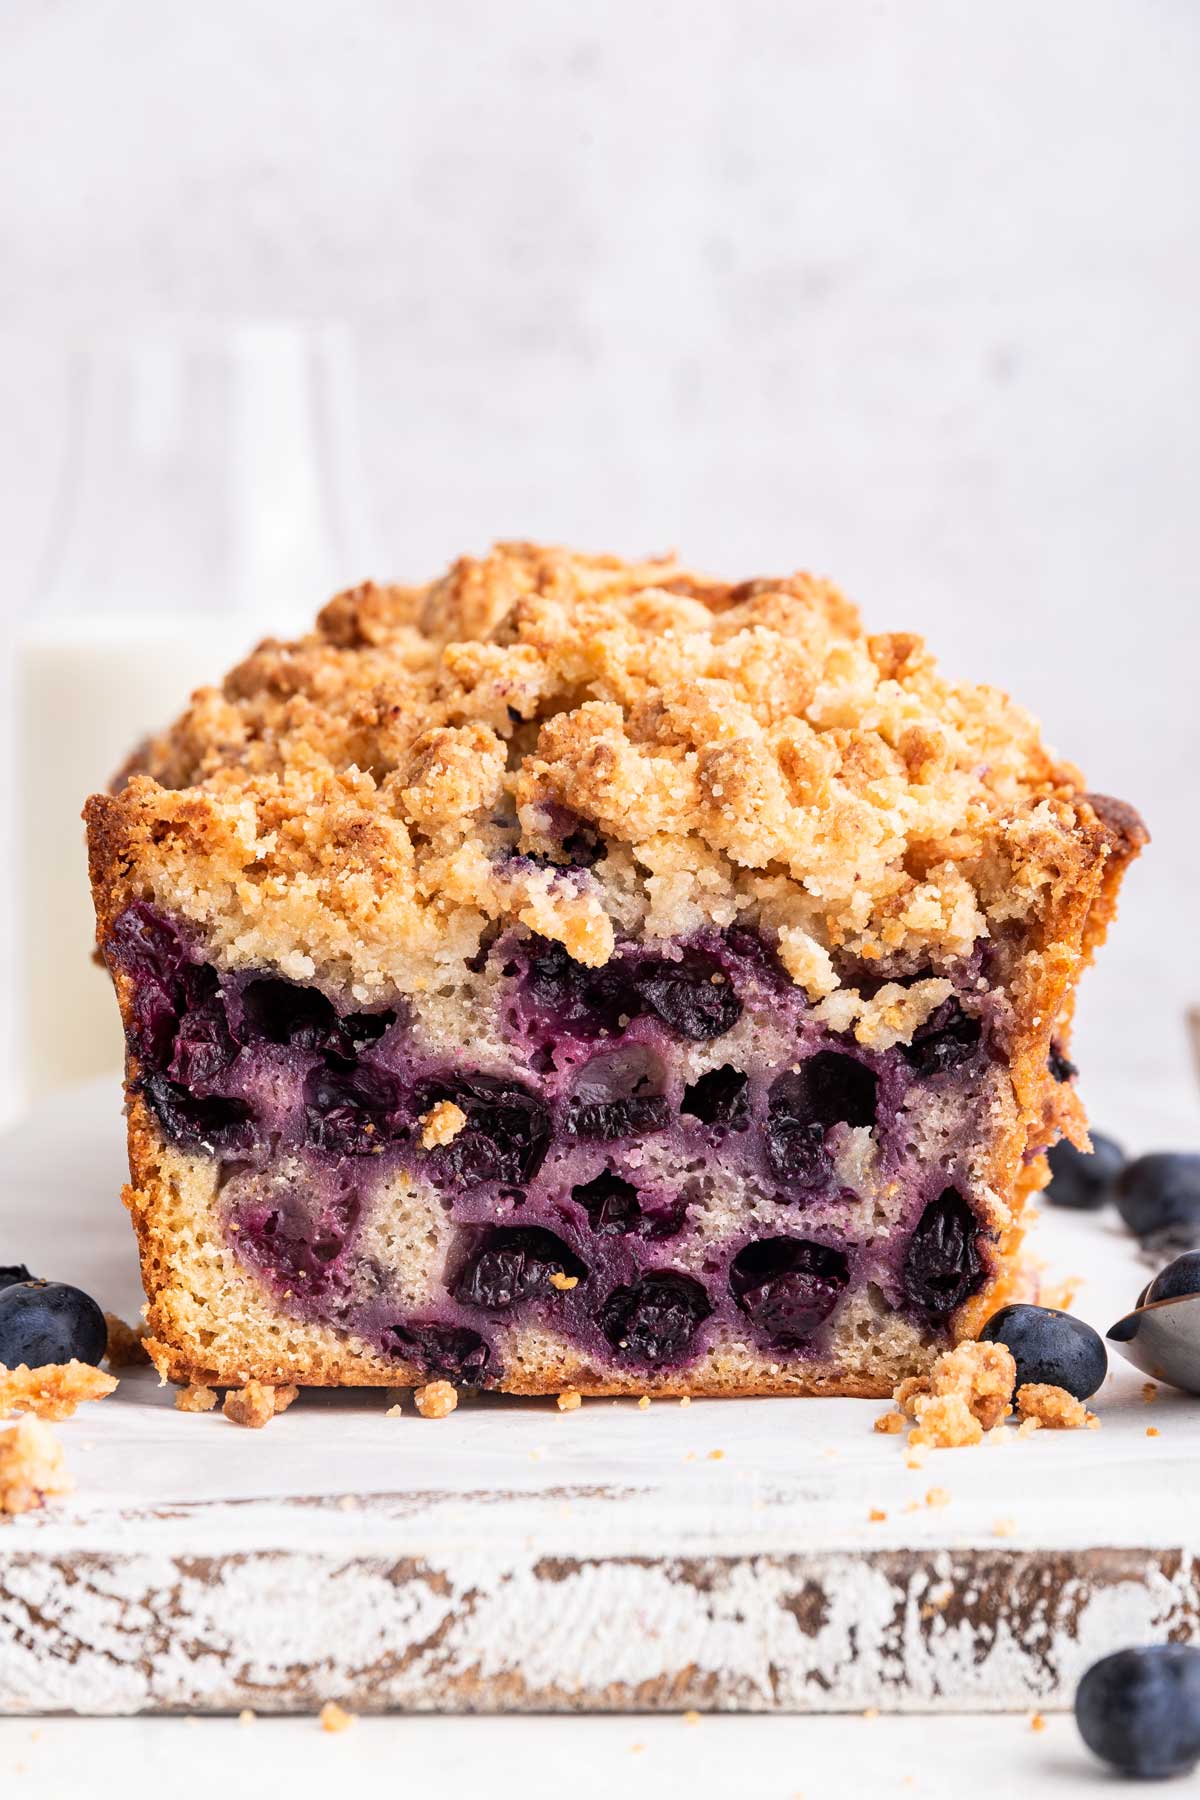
<point>717,1556</point>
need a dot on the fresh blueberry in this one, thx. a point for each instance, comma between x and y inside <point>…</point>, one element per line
<point>1139,1710</point>
<point>48,1322</point>
<point>13,1272</point>
<point>787,1287</point>
<point>948,1038</point>
<point>654,1320</point>
<point>1178,1279</point>
<point>942,1265</point>
<point>1051,1347</point>
<point>614,1209</point>
<point>1080,1180</point>
<point>1158,1197</point>
<point>718,1098</point>
<point>1061,1067</point>
<point>449,1352</point>
<point>694,998</point>
<point>602,1121</point>
<point>505,1138</point>
<point>351,1112</point>
<point>513,1264</point>
<point>218,1126</point>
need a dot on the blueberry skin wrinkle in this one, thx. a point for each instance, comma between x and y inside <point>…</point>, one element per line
<point>49,1322</point>
<point>1139,1710</point>
<point>1051,1347</point>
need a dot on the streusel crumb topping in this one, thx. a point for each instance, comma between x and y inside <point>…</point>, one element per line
<point>32,1467</point>
<point>375,794</point>
<point>52,1391</point>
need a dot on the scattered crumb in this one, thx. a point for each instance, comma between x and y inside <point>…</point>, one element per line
<point>348,1503</point>
<point>437,1400</point>
<point>916,1458</point>
<point>890,1422</point>
<point>126,1349</point>
<point>1152,1431</point>
<point>1037,1722</point>
<point>716,1456</point>
<point>246,1717</point>
<point>441,1124</point>
<point>644,1403</point>
<point>196,1399</point>
<point>394,1412</point>
<point>876,1515</point>
<point>1060,1295</point>
<point>335,1718</point>
<point>256,1404</point>
<point>937,1496</point>
<point>1052,1407</point>
<point>1004,1528</point>
<point>52,1391</point>
<point>636,1749</point>
<point>691,1718</point>
<point>870,1712</point>
<point>570,1400</point>
<point>967,1391</point>
<point>1027,1427</point>
<point>685,1400</point>
<point>32,1467</point>
<point>564,1283</point>
<point>1149,1391</point>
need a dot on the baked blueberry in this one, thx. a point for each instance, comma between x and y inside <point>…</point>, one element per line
<point>1158,1198</point>
<point>1080,1179</point>
<point>351,1112</point>
<point>506,1135</point>
<point>449,1352</point>
<point>654,1320</point>
<point>49,1322</point>
<point>948,1038</point>
<point>513,1264</point>
<point>1177,1280</point>
<point>942,1265</point>
<point>614,1209</point>
<point>603,1121</point>
<point>1050,1346</point>
<point>694,998</point>
<point>1139,1710</point>
<point>787,1287</point>
<point>222,1127</point>
<point>717,1098</point>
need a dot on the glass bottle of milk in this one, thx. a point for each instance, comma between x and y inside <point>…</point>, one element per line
<point>211,496</point>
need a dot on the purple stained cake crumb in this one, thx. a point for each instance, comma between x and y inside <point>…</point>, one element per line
<point>560,1211</point>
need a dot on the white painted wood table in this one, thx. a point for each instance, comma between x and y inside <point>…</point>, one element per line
<point>715,1557</point>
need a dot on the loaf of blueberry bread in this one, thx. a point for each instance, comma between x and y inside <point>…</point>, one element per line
<point>584,974</point>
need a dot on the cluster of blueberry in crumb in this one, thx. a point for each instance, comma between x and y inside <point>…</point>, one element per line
<point>554,1204</point>
<point>43,1322</point>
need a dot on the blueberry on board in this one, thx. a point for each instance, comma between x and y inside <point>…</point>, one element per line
<point>1082,1181</point>
<point>11,1272</point>
<point>1158,1198</point>
<point>1051,1347</point>
<point>48,1322</point>
<point>1178,1279</point>
<point>1139,1710</point>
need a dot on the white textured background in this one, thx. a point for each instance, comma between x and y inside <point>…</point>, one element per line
<point>904,293</point>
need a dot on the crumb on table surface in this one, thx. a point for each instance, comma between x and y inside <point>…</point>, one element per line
<point>32,1467</point>
<point>256,1404</point>
<point>436,1400</point>
<point>52,1391</point>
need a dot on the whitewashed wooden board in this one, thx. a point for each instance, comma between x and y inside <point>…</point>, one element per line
<point>512,1557</point>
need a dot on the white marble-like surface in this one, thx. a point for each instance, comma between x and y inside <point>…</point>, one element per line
<point>540,1759</point>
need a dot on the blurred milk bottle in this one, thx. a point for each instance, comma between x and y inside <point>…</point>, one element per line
<point>212,495</point>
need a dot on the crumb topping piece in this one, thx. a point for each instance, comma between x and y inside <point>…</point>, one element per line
<point>436,1400</point>
<point>126,1345</point>
<point>335,1718</point>
<point>377,792</point>
<point>256,1404</point>
<point>1053,1408</point>
<point>195,1399</point>
<point>441,1124</point>
<point>32,1467</point>
<point>967,1391</point>
<point>53,1391</point>
<point>570,1400</point>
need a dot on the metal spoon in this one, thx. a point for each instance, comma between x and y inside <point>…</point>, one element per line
<point>1163,1340</point>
